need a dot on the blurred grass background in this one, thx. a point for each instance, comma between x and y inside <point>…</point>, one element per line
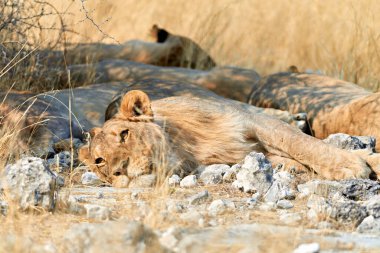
<point>338,37</point>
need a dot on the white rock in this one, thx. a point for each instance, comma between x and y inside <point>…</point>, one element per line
<point>369,225</point>
<point>290,218</point>
<point>174,180</point>
<point>307,248</point>
<point>325,225</point>
<point>267,206</point>
<point>253,201</point>
<point>192,216</point>
<point>189,181</point>
<point>373,206</point>
<point>281,188</point>
<point>31,183</point>
<point>97,212</point>
<point>213,174</point>
<point>111,236</point>
<point>323,188</point>
<point>170,238</point>
<point>199,198</point>
<point>347,142</point>
<point>230,174</point>
<point>220,206</point>
<point>90,178</point>
<point>175,207</point>
<point>312,215</point>
<point>255,174</point>
<point>284,204</point>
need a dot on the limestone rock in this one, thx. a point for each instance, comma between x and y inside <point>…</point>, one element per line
<point>369,225</point>
<point>171,237</point>
<point>349,211</point>
<point>97,212</point>
<point>284,204</point>
<point>360,189</point>
<point>189,181</point>
<point>307,248</point>
<point>281,187</point>
<point>120,236</point>
<point>191,216</point>
<point>174,180</point>
<point>290,218</point>
<point>175,207</point>
<point>199,198</point>
<point>31,183</point>
<point>323,188</point>
<point>373,206</point>
<point>220,206</point>
<point>347,142</point>
<point>91,179</point>
<point>230,174</point>
<point>61,161</point>
<point>213,174</point>
<point>255,174</point>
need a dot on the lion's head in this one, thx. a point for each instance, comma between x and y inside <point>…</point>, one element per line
<point>129,149</point>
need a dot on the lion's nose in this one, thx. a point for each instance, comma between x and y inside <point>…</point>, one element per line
<point>122,170</point>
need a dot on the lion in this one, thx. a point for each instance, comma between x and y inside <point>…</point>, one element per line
<point>167,50</point>
<point>332,106</point>
<point>49,117</point>
<point>147,139</point>
<point>230,82</point>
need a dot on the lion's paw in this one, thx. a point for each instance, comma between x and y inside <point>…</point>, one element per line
<point>355,167</point>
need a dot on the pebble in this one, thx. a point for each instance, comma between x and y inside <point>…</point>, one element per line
<point>175,207</point>
<point>284,204</point>
<point>290,218</point>
<point>369,225</point>
<point>174,180</point>
<point>307,248</point>
<point>268,206</point>
<point>213,174</point>
<point>199,198</point>
<point>31,183</point>
<point>91,179</point>
<point>220,206</point>
<point>230,174</point>
<point>325,225</point>
<point>97,212</point>
<point>189,181</point>
<point>255,174</point>
<point>192,216</point>
<point>170,238</point>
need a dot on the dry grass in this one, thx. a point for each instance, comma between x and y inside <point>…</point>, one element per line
<point>338,37</point>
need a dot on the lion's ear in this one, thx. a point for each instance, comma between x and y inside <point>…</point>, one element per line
<point>135,106</point>
<point>94,131</point>
<point>160,35</point>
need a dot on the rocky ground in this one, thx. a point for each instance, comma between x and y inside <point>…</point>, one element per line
<point>249,207</point>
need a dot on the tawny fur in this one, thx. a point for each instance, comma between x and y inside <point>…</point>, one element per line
<point>333,106</point>
<point>196,131</point>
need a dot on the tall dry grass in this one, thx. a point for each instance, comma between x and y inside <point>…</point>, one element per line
<point>339,37</point>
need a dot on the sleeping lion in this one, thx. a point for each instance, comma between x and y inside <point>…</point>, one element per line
<point>147,139</point>
<point>332,105</point>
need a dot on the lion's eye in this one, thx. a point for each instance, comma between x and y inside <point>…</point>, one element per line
<point>124,135</point>
<point>99,161</point>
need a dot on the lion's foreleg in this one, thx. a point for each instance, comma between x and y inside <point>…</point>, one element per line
<point>281,139</point>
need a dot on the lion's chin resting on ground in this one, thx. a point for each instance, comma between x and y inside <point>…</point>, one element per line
<point>144,141</point>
